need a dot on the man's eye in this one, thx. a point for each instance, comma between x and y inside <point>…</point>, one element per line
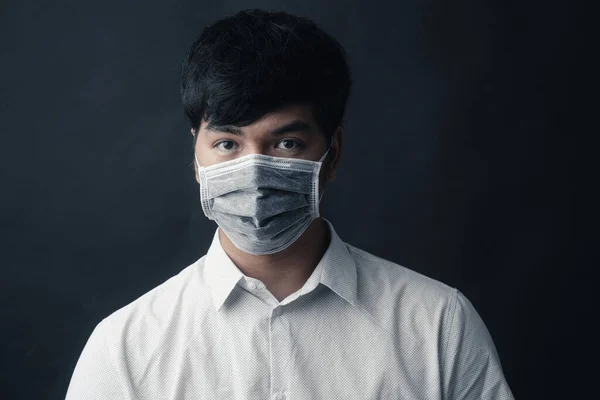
<point>225,145</point>
<point>289,144</point>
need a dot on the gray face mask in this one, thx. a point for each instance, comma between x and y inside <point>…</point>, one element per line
<point>263,203</point>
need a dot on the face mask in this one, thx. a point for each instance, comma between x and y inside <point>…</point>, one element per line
<point>262,203</point>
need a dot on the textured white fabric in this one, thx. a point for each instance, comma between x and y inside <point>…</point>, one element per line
<point>360,328</point>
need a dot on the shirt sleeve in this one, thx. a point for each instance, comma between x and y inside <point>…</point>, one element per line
<point>472,368</point>
<point>95,377</point>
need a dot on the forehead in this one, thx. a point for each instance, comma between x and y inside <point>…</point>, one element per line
<point>270,121</point>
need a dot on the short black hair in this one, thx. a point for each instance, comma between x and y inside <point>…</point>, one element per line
<point>255,62</point>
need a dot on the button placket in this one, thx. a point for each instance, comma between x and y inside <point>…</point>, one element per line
<point>280,353</point>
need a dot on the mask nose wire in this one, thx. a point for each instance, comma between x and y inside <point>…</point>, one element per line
<point>321,160</point>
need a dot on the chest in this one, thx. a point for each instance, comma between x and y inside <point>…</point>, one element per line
<point>290,354</point>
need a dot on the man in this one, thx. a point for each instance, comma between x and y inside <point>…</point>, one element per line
<point>280,307</point>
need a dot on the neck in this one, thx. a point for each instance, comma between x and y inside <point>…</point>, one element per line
<point>286,271</point>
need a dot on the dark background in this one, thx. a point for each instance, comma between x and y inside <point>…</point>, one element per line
<point>458,163</point>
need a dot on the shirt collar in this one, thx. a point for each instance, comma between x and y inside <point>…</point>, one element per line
<point>336,270</point>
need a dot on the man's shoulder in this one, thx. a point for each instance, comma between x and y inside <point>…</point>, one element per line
<point>159,307</point>
<point>399,282</point>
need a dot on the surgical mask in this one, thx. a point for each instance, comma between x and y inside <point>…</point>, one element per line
<point>262,203</point>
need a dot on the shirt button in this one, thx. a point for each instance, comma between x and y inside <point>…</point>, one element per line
<point>280,396</point>
<point>279,311</point>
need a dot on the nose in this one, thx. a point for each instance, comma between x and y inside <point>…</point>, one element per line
<point>257,147</point>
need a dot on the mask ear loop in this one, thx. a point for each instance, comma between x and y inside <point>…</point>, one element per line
<point>321,196</point>
<point>321,163</point>
<point>325,155</point>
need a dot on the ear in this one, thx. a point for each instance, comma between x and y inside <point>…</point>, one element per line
<point>334,153</point>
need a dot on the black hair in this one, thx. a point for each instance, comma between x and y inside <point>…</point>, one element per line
<point>255,62</point>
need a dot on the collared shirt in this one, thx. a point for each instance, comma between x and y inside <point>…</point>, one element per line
<point>359,328</point>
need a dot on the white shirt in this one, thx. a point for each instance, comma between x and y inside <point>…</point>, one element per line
<point>360,328</point>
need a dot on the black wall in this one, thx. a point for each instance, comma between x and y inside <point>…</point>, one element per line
<point>457,163</point>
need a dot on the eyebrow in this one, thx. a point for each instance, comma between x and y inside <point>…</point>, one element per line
<point>295,126</point>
